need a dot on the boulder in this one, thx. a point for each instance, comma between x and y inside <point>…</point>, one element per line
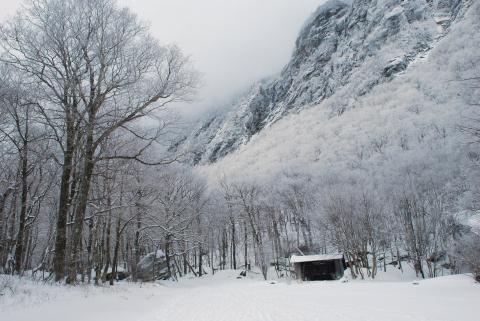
<point>146,271</point>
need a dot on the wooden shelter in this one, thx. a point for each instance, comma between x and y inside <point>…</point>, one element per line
<point>318,267</point>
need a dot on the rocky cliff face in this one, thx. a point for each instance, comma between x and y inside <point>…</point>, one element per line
<point>361,42</point>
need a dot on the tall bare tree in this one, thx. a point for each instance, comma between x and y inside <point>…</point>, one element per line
<point>98,71</point>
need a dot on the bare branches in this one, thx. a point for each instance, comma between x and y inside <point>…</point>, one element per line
<point>96,74</point>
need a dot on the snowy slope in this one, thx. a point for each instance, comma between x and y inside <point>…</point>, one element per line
<point>345,49</point>
<point>223,297</point>
<point>404,127</point>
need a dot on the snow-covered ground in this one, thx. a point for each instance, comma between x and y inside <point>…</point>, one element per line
<point>223,297</point>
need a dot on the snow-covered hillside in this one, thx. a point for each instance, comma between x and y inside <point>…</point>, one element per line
<point>224,297</point>
<point>405,125</point>
<point>344,51</point>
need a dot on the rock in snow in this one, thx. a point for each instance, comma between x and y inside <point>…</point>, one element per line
<point>145,268</point>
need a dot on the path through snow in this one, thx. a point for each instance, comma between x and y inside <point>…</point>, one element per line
<point>225,298</point>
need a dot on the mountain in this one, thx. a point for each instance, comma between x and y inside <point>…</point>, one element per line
<point>346,48</point>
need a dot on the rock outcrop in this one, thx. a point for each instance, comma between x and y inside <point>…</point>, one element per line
<point>359,42</point>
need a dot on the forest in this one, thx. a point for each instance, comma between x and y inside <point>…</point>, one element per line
<point>89,185</point>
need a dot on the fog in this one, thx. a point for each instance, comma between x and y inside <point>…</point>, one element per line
<point>231,42</point>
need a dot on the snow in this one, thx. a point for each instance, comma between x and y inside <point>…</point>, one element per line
<point>340,52</point>
<point>474,221</point>
<point>410,108</point>
<point>327,6</point>
<point>394,12</point>
<point>224,297</point>
<point>318,257</point>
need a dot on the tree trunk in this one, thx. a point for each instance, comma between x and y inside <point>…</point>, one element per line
<point>185,261</point>
<point>200,267</point>
<point>136,245</point>
<point>78,222</point>
<point>82,202</point>
<point>245,250</point>
<point>63,206</point>
<point>374,263</point>
<point>234,247</point>
<point>115,250</point>
<point>90,250</point>
<point>23,207</point>
<point>167,256</point>
<point>224,249</point>
<point>107,242</point>
<point>3,246</point>
<point>399,259</point>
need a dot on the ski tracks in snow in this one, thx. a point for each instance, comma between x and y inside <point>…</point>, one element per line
<point>223,297</point>
<point>244,301</point>
<point>248,300</point>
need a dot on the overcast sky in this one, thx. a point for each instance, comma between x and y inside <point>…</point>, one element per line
<point>232,42</point>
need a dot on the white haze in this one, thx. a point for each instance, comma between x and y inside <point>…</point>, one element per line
<point>232,43</point>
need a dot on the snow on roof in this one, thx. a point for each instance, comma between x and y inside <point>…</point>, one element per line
<point>312,258</point>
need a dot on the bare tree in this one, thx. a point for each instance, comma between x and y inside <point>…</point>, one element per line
<point>27,137</point>
<point>99,71</point>
<point>249,199</point>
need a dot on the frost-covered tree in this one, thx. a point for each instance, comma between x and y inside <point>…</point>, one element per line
<point>97,71</point>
